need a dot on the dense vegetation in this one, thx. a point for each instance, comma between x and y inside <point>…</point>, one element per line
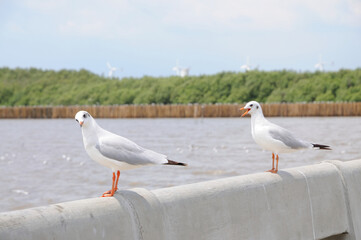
<point>67,87</point>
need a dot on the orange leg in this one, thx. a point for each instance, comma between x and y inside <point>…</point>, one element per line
<point>116,183</point>
<point>273,164</point>
<point>110,192</point>
<point>274,170</point>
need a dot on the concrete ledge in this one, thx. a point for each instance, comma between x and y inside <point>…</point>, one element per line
<point>313,202</point>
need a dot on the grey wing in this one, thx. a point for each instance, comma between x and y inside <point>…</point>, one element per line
<point>123,150</point>
<point>287,138</point>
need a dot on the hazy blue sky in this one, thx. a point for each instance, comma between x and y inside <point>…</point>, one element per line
<point>146,37</point>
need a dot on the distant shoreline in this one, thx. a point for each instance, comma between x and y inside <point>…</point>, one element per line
<point>184,111</point>
<point>36,87</point>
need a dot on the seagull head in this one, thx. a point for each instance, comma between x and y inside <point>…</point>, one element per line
<point>251,107</point>
<point>83,118</point>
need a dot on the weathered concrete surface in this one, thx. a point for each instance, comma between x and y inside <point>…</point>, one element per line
<point>351,175</point>
<point>312,202</point>
<point>85,219</point>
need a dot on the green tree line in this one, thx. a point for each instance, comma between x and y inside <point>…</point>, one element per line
<point>29,87</point>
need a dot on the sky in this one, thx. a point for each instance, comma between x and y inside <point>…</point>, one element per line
<point>149,37</point>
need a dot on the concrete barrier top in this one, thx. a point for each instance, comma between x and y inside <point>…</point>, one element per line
<point>311,202</point>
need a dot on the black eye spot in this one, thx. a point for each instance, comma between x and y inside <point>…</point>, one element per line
<point>84,116</point>
<point>76,120</point>
<point>257,107</point>
<point>251,105</point>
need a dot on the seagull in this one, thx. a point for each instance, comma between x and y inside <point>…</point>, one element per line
<point>115,152</point>
<point>272,137</point>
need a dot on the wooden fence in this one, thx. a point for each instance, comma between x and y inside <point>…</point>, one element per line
<point>184,111</point>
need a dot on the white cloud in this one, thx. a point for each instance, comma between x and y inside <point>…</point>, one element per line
<point>262,14</point>
<point>45,6</point>
<point>336,11</point>
<point>354,18</point>
<point>230,14</point>
<point>109,19</point>
<point>126,18</point>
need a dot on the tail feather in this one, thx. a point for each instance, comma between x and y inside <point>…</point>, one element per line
<point>170,162</point>
<point>320,146</point>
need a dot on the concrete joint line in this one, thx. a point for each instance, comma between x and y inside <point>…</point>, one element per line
<point>266,196</point>
<point>311,208</point>
<point>346,194</point>
<point>137,227</point>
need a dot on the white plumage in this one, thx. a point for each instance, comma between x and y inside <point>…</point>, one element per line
<point>272,137</point>
<point>113,151</point>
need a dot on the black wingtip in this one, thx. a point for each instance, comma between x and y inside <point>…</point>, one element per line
<point>170,162</point>
<point>322,147</point>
